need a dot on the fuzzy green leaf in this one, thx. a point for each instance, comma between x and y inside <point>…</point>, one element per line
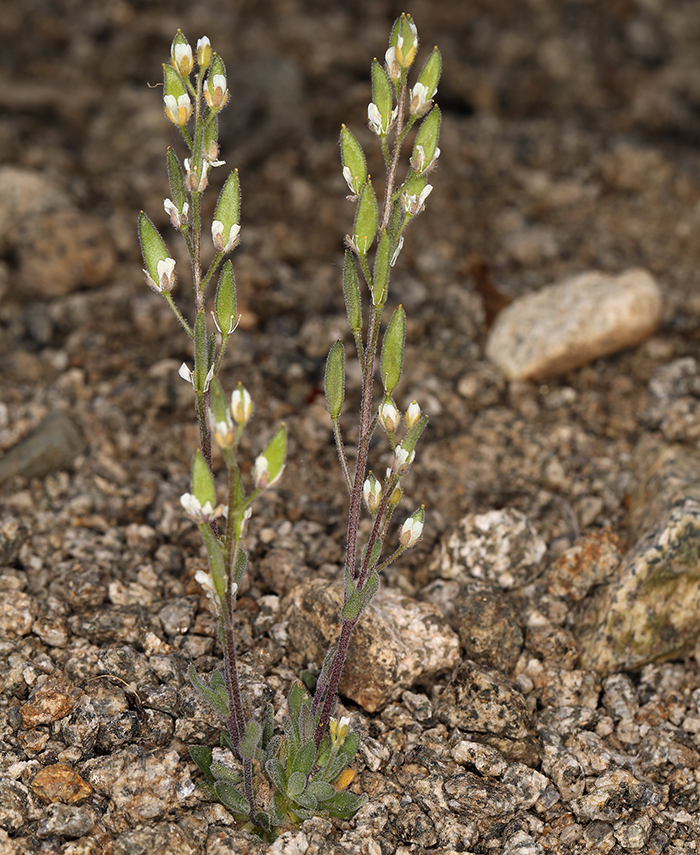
<point>202,757</point>
<point>392,350</point>
<point>296,784</point>
<point>276,773</point>
<point>344,805</point>
<point>359,601</point>
<point>349,747</point>
<point>231,798</point>
<point>221,772</point>
<point>209,695</point>
<point>334,381</point>
<point>320,790</point>
<point>304,758</point>
<point>251,740</point>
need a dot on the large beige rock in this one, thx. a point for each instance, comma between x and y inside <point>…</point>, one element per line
<point>569,324</point>
<point>649,611</point>
<point>397,642</point>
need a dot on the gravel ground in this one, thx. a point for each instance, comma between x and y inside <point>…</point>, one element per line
<point>569,144</point>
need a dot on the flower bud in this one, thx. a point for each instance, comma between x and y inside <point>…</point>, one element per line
<point>372,493</point>
<point>215,87</point>
<point>181,55</point>
<point>203,52</point>
<point>338,730</point>
<point>402,460</point>
<point>412,414</point>
<point>389,416</point>
<point>241,405</point>
<point>412,529</point>
<point>404,41</point>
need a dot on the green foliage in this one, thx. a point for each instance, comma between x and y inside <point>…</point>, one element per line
<point>307,762</point>
<point>334,382</point>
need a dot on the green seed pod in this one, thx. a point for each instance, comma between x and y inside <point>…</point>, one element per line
<point>392,350</point>
<point>202,481</point>
<point>413,435</point>
<point>382,265</point>
<point>351,293</point>
<point>353,160</point>
<point>225,301</point>
<point>201,354</point>
<point>382,94</point>
<point>155,253</point>
<point>174,84</point>
<point>414,184</point>
<point>365,219</point>
<point>269,465</point>
<point>334,382</point>
<point>225,229</point>
<point>430,73</point>
<point>425,146</point>
<point>176,179</point>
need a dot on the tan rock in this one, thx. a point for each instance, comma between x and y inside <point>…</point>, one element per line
<point>570,324</point>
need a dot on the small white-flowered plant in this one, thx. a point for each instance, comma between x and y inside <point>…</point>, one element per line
<point>307,764</point>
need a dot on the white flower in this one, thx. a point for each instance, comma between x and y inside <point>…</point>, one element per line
<point>392,66</point>
<point>203,51</point>
<point>217,236</point>
<point>402,459</point>
<point>197,512</point>
<point>241,405</point>
<point>421,99</point>
<point>375,119</point>
<point>182,58</point>
<point>411,532</point>
<point>223,431</point>
<point>338,730</point>
<point>389,416</point>
<point>215,91</point>
<point>166,274</point>
<point>172,212</point>
<point>372,493</point>
<point>187,374</point>
<point>412,414</point>
<point>419,162</point>
<point>261,473</point>
<point>412,204</point>
<point>352,181</point>
<point>395,255</point>
<point>178,110</point>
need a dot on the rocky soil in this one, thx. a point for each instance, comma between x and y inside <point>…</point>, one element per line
<point>533,678</point>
